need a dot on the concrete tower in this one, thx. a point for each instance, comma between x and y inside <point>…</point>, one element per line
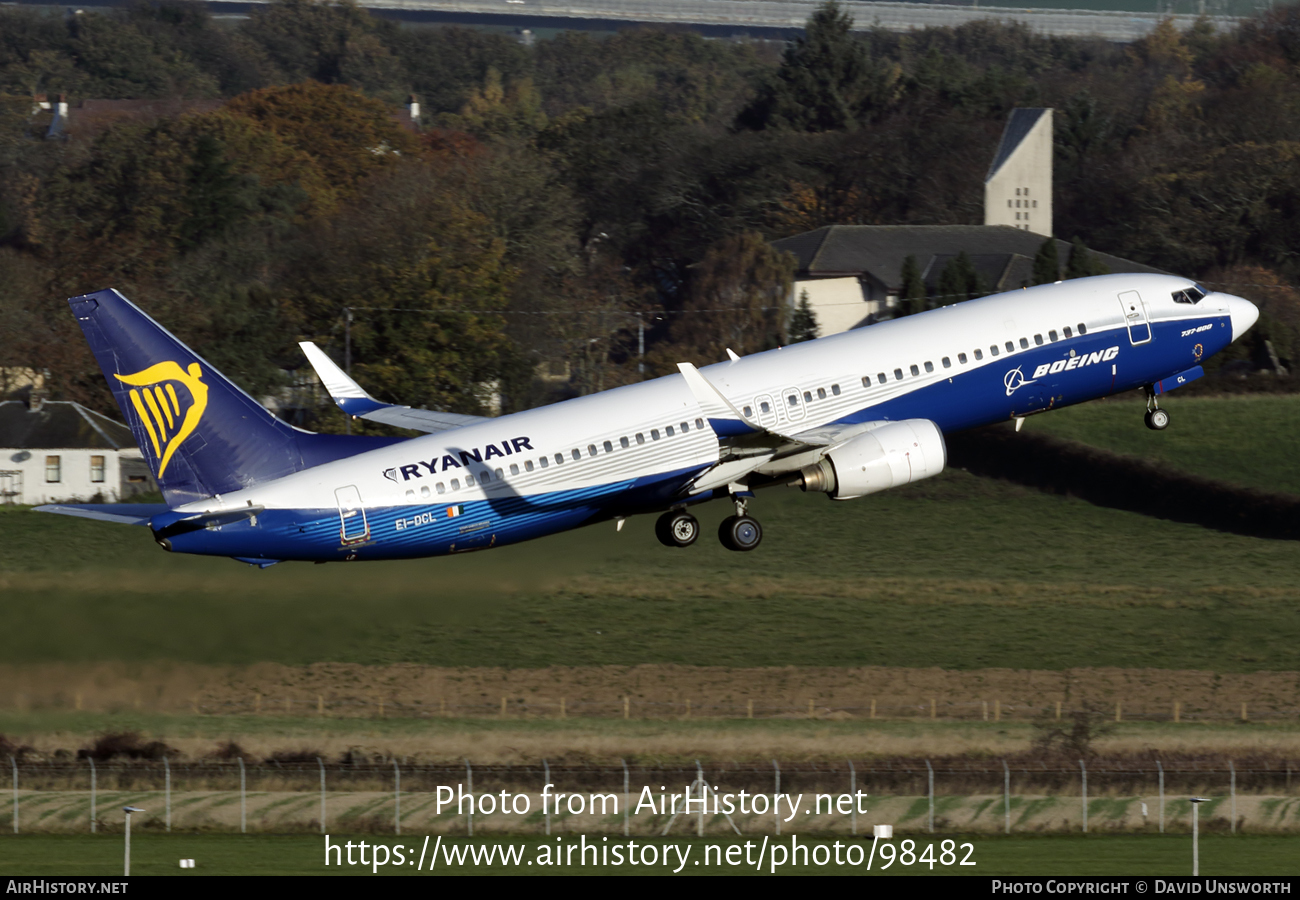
<point>1018,188</point>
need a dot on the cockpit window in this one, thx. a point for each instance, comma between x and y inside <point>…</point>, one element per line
<point>1193,294</point>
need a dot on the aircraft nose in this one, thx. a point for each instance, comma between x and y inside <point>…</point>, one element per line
<point>1243,313</point>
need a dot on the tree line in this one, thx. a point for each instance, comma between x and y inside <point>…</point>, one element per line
<point>601,206</point>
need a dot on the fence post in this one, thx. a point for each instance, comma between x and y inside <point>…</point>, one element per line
<point>546,779</point>
<point>167,793</point>
<point>243,799</point>
<point>626,795</point>
<point>853,789</point>
<point>1232,788</point>
<point>704,793</point>
<point>776,798</point>
<point>321,763</point>
<point>397,797</point>
<point>1161,770</point>
<point>469,776</point>
<point>930,769</point>
<point>13,762</point>
<point>1006,793</point>
<point>1084,770</point>
<point>92,793</point>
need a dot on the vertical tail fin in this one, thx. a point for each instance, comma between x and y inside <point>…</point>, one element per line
<point>201,434</point>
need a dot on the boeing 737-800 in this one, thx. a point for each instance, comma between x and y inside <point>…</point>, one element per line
<point>845,415</point>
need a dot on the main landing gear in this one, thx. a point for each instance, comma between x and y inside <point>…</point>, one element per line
<point>678,528</point>
<point>1156,418</point>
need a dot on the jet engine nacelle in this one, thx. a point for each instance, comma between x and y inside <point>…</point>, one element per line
<point>893,454</point>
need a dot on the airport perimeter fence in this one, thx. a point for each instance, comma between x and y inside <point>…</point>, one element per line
<point>1145,709</point>
<point>917,795</point>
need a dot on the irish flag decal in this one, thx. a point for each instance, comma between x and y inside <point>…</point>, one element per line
<point>454,511</point>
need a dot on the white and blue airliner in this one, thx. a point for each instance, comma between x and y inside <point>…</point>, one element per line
<point>846,415</point>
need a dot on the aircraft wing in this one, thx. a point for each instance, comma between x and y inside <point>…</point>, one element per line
<point>354,401</point>
<point>764,449</point>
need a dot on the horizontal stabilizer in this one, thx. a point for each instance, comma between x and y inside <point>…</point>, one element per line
<point>118,513</point>
<point>353,400</point>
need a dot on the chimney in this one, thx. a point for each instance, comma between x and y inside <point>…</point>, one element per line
<point>413,109</point>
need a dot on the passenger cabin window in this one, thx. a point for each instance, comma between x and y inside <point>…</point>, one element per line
<point>668,431</point>
<point>609,447</point>
<point>455,484</point>
<point>835,389</point>
<point>410,495</point>
<point>961,358</point>
<point>1068,332</point>
<point>640,438</point>
<point>591,449</point>
<point>484,478</point>
<point>979,354</point>
<point>440,488</point>
<point>792,400</point>
<point>1011,348</point>
<point>624,443</point>
<point>544,461</point>
<point>1038,340</point>
<point>929,366</point>
<point>559,459</point>
<point>1083,329</point>
<point>947,363</point>
<point>807,396</point>
<point>424,490</point>
<point>654,434</point>
<point>821,393</point>
<point>765,406</point>
<point>915,370</point>
<point>1024,343</point>
<point>699,423</point>
<point>528,465</point>
<point>469,479</point>
<point>1052,336</point>
<point>882,379</point>
<point>748,411</point>
<point>898,374</point>
<point>576,453</point>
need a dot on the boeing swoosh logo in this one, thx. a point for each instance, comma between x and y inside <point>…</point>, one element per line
<point>1014,380</point>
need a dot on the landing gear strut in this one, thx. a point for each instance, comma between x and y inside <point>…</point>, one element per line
<point>677,528</point>
<point>740,532</point>
<point>1156,418</point>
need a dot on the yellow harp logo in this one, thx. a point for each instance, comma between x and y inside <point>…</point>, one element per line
<point>159,407</point>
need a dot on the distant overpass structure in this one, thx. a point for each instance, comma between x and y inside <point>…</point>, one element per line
<point>760,17</point>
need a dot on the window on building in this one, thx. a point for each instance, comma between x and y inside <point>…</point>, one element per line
<point>1035,204</point>
<point>97,469</point>
<point>53,469</point>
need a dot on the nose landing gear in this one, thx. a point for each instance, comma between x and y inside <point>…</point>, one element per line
<point>1156,418</point>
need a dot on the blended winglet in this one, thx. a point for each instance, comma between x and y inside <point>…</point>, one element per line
<point>353,399</point>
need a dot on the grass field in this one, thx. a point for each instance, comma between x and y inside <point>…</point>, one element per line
<point>957,572</point>
<point>1099,854</point>
<point>1249,440</point>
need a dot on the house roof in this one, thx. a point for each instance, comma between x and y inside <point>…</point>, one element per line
<point>1019,124</point>
<point>1002,254</point>
<point>59,424</point>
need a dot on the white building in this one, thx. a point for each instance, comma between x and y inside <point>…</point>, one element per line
<point>1018,187</point>
<point>58,451</point>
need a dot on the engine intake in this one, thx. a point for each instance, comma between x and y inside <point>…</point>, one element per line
<point>895,453</point>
